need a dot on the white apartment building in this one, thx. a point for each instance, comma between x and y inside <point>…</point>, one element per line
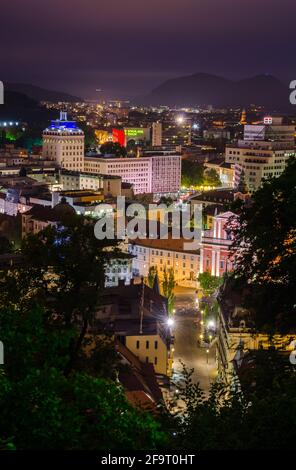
<point>63,142</point>
<point>136,171</point>
<point>74,180</point>
<point>263,153</point>
<point>153,173</point>
<point>272,129</point>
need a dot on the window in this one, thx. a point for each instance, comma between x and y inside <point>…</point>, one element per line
<point>147,359</point>
<point>155,344</point>
<point>147,344</point>
<point>155,360</point>
<point>138,345</point>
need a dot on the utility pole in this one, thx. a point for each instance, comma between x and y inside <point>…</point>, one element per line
<point>142,306</point>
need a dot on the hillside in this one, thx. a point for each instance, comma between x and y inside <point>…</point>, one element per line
<point>204,89</point>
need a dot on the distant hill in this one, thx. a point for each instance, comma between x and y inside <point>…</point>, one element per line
<point>205,89</point>
<point>19,107</point>
<point>40,94</point>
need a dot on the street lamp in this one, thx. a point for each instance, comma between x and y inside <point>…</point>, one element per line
<point>208,355</point>
<point>170,322</point>
<point>211,324</point>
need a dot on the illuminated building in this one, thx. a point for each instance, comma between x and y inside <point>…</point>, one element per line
<point>176,131</point>
<point>118,136</point>
<point>237,337</point>
<point>137,134</point>
<point>215,248</point>
<point>213,255</point>
<point>224,170</point>
<point>165,254</point>
<point>154,172</point>
<point>74,180</point>
<point>102,136</point>
<point>156,134</point>
<point>243,119</point>
<point>263,152</point>
<point>63,142</point>
<point>138,317</point>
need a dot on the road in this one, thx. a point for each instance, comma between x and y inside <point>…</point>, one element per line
<point>187,350</point>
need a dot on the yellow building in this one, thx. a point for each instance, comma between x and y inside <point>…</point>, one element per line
<point>165,254</point>
<point>236,338</point>
<point>138,317</point>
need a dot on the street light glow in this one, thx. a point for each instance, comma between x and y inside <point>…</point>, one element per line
<point>211,324</point>
<point>170,322</point>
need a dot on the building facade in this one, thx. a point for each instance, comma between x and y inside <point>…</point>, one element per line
<point>75,180</point>
<point>263,153</point>
<point>215,256</point>
<point>63,142</point>
<point>151,173</point>
<point>165,255</point>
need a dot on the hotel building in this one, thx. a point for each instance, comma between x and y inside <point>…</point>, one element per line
<point>63,142</point>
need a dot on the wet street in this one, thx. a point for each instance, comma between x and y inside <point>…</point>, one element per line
<point>187,349</point>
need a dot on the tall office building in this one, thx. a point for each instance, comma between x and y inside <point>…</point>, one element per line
<point>156,130</point>
<point>63,142</point>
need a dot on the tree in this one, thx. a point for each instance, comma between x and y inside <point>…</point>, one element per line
<point>192,174</point>
<point>151,275</point>
<point>23,171</point>
<point>131,148</point>
<point>264,248</point>
<point>209,283</point>
<point>113,148</point>
<point>168,201</point>
<point>211,177</point>
<point>89,135</point>
<point>64,270</point>
<point>168,285</point>
<point>42,408</point>
<point>5,245</point>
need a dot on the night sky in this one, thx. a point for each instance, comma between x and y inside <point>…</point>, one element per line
<point>127,47</point>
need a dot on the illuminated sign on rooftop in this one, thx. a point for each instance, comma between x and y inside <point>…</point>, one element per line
<point>135,132</point>
<point>267,120</point>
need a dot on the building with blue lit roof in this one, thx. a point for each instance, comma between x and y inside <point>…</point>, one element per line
<point>63,142</point>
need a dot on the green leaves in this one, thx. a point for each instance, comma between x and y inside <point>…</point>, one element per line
<point>45,409</point>
<point>265,251</point>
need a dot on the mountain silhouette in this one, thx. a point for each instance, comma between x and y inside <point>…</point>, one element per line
<point>203,89</point>
<point>40,94</point>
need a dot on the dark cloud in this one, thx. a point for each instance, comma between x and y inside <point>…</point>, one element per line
<point>129,46</point>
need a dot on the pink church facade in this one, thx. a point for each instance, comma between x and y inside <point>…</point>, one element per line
<point>215,256</point>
